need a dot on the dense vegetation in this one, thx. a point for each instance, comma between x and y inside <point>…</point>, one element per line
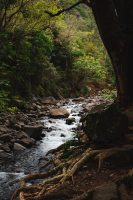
<point>44,56</point>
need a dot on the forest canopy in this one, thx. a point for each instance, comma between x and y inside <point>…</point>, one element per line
<point>42,56</point>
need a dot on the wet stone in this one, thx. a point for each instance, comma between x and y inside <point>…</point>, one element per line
<point>70,121</point>
<point>59,113</point>
<point>18,147</point>
<point>62,135</point>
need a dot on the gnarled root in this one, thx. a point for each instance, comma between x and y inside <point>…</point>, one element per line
<point>63,172</point>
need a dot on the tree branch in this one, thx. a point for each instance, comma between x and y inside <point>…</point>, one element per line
<point>17,11</point>
<point>69,8</point>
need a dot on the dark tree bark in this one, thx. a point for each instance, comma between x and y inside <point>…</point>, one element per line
<point>114,19</point>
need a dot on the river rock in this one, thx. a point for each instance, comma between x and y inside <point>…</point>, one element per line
<point>58,113</point>
<point>105,124</point>
<point>79,99</point>
<point>6,147</point>
<point>4,155</point>
<point>62,135</point>
<point>42,114</point>
<point>70,120</point>
<point>3,130</point>
<point>18,147</point>
<point>21,135</point>
<point>27,142</point>
<point>49,100</point>
<point>34,131</point>
<point>5,137</point>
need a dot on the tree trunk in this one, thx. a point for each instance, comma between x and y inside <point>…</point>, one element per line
<point>114,19</point>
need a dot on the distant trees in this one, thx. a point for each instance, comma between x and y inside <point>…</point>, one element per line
<point>40,55</point>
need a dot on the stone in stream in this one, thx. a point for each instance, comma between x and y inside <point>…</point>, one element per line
<point>5,137</point>
<point>18,147</point>
<point>34,131</point>
<point>6,147</point>
<point>42,114</point>
<point>21,135</point>
<point>23,139</point>
<point>79,99</point>
<point>4,156</point>
<point>58,113</point>
<point>62,135</point>
<point>3,130</point>
<point>70,120</point>
<point>105,124</point>
<point>49,100</point>
<point>27,142</point>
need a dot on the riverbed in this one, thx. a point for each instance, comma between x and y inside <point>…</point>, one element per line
<point>56,133</point>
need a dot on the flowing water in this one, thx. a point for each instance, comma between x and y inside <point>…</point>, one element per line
<point>28,161</point>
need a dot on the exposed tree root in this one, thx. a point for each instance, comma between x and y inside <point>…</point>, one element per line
<point>66,170</point>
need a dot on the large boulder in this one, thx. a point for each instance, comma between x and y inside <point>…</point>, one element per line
<point>34,131</point>
<point>59,113</point>
<point>105,124</point>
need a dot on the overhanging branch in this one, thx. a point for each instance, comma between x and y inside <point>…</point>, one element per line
<point>69,8</point>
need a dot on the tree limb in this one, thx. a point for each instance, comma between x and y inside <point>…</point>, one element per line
<point>17,11</point>
<point>86,2</point>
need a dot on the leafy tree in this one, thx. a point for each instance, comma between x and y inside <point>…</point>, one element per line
<point>40,55</point>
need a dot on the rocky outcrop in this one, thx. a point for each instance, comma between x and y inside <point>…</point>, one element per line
<point>58,113</point>
<point>105,124</point>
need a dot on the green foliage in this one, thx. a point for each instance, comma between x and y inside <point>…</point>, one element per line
<point>12,109</point>
<point>108,94</point>
<point>49,56</point>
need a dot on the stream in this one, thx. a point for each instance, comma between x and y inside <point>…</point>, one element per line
<point>29,161</point>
